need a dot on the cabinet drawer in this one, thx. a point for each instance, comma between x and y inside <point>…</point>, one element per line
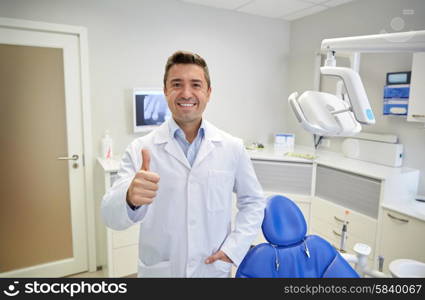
<point>332,234</point>
<point>125,261</point>
<point>353,191</point>
<point>284,177</point>
<point>358,224</point>
<point>126,237</point>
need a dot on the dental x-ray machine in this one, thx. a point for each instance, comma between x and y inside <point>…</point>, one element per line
<point>326,114</point>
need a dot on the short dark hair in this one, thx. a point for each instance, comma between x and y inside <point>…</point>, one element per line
<point>186,57</point>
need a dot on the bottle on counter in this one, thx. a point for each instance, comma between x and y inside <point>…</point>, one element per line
<point>106,146</point>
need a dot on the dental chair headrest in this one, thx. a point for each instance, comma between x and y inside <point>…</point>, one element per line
<point>283,223</point>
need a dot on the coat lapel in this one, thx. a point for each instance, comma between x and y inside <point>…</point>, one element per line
<point>212,136</point>
<point>163,136</point>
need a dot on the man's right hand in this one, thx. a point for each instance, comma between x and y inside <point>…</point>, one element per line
<point>143,188</point>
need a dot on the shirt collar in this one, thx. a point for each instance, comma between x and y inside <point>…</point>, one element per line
<point>175,129</point>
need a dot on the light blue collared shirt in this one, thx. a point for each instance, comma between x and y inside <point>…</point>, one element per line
<point>189,150</point>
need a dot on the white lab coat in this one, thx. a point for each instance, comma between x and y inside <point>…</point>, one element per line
<point>190,218</point>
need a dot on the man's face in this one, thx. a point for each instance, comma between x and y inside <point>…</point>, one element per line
<point>187,92</point>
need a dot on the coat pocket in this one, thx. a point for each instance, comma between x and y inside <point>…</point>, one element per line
<point>220,188</point>
<point>161,269</point>
<point>222,269</point>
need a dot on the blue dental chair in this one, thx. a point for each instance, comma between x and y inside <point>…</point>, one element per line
<point>289,252</point>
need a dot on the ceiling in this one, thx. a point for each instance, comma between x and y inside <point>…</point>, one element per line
<point>279,9</point>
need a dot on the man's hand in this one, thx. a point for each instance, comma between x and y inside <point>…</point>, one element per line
<point>219,255</point>
<point>143,188</point>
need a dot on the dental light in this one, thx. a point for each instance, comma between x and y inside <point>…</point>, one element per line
<point>327,114</point>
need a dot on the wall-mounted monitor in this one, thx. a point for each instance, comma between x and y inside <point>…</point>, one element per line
<point>150,109</point>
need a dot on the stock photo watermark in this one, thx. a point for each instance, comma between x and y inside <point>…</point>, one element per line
<point>398,24</point>
<point>65,288</point>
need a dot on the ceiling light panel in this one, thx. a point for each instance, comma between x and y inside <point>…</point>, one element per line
<point>226,4</point>
<point>274,8</point>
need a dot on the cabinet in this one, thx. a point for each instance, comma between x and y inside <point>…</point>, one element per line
<point>402,237</point>
<point>338,192</point>
<point>416,111</point>
<point>327,219</point>
<point>118,249</point>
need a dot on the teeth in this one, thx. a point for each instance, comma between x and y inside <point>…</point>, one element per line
<point>186,104</point>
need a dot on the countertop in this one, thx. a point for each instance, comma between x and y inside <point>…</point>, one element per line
<point>109,165</point>
<point>331,159</point>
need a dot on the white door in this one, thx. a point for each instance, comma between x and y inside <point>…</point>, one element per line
<point>43,222</point>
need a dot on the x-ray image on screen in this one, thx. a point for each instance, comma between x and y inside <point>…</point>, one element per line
<point>151,109</point>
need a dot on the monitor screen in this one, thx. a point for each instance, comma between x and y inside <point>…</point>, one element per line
<point>150,109</point>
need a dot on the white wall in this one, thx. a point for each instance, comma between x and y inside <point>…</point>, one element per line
<point>130,41</point>
<point>360,17</point>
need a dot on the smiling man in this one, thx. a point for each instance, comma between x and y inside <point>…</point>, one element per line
<point>177,182</point>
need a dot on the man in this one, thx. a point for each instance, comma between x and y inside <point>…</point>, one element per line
<point>178,180</point>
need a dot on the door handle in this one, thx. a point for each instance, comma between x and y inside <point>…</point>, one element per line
<point>74,157</point>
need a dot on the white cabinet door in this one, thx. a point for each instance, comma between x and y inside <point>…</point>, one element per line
<point>416,111</point>
<point>402,237</point>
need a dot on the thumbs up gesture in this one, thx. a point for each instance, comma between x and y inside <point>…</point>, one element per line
<point>143,188</point>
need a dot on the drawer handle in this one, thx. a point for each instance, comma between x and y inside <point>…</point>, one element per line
<point>398,219</point>
<point>418,116</point>
<point>338,219</point>
<point>336,233</point>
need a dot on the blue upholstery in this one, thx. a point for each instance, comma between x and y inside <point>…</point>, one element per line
<point>290,253</point>
<point>280,229</point>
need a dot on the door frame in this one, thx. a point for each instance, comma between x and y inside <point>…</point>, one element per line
<point>81,33</point>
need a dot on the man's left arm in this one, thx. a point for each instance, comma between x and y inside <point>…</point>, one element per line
<point>250,204</point>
